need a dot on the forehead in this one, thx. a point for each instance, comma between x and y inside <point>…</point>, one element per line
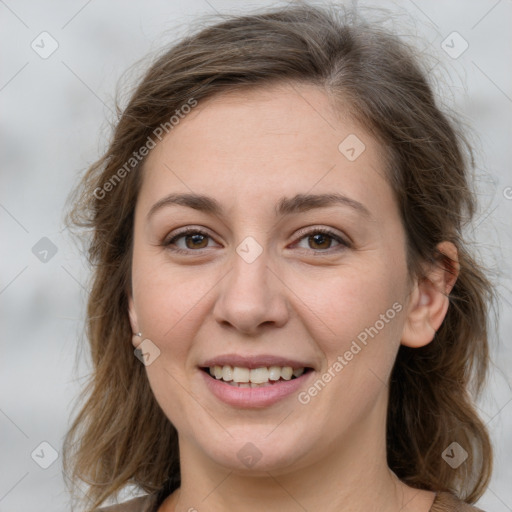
<point>278,140</point>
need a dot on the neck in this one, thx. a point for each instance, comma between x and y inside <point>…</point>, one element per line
<point>313,488</point>
<point>350,476</point>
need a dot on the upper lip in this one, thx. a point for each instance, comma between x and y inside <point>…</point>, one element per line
<point>251,362</point>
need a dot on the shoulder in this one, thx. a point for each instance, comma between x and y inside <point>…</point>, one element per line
<point>446,502</point>
<point>140,504</point>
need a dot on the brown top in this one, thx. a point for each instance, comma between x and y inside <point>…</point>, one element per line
<point>444,502</point>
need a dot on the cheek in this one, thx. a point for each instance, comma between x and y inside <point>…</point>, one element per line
<point>169,302</point>
<point>356,320</point>
<point>342,306</point>
<point>169,306</point>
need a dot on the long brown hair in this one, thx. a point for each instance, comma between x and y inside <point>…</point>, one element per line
<point>121,436</point>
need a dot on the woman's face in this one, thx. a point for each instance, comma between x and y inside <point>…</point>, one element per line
<point>295,262</point>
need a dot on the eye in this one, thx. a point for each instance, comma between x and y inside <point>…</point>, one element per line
<point>321,240</point>
<point>193,239</point>
<point>189,239</point>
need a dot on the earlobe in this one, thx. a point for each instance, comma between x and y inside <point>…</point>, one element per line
<point>430,298</point>
<point>133,321</point>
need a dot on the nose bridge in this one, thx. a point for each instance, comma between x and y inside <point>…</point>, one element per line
<point>250,295</point>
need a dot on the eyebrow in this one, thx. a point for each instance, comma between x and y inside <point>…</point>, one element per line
<point>286,206</point>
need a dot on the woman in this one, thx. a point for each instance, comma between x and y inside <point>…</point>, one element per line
<point>284,315</point>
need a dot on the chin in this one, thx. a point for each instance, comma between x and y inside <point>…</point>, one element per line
<point>255,452</point>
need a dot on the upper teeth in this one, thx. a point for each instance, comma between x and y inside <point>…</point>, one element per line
<point>255,375</point>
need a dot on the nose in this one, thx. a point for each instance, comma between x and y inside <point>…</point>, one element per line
<point>252,297</point>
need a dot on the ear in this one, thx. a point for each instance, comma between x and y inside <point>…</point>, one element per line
<point>429,299</point>
<point>133,321</point>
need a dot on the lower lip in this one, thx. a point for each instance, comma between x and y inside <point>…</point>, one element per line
<point>254,397</point>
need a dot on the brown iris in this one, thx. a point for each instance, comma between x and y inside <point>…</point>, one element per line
<point>194,241</point>
<point>321,240</point>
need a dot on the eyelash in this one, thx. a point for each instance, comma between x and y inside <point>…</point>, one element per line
<point>343,244</point>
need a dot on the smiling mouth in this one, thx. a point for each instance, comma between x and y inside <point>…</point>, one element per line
<point>241,377</point>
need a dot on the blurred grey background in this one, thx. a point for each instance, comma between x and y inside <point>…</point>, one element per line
<point>61,62</point>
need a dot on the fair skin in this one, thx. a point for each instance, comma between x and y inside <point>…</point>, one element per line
<point>305,298</point>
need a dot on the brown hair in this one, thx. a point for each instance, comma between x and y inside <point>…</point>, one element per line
<point>121,436</point>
